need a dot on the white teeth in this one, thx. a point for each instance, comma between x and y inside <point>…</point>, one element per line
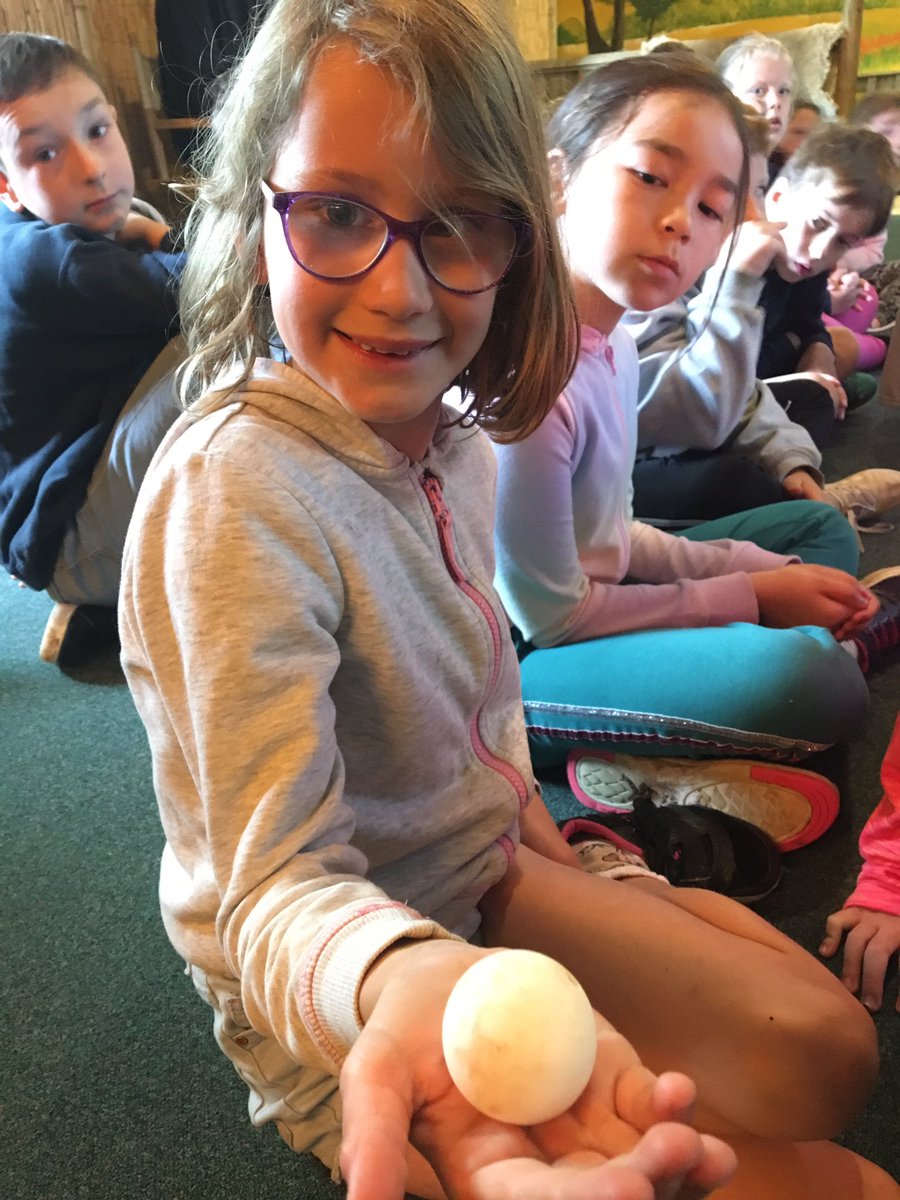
<point>392,353</point>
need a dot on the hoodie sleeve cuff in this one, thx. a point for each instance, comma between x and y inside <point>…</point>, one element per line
<point>338,961</point>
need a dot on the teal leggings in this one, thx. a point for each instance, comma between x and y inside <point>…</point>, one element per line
<point>728,690</point>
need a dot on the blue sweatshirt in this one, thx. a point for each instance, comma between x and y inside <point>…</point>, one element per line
<point>81,320</point>
<point>791,308</point>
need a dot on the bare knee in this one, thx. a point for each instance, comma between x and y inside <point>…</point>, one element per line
<point>823,1055</point>
<point>769,1170</point>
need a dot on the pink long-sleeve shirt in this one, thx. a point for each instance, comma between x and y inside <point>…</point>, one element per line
<point>565,536</point>
<point>878,885</point>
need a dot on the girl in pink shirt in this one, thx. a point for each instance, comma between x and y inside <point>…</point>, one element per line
<point>871,916</point>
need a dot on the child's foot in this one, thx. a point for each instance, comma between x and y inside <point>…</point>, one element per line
<point>77,632</point>
<point>793,806</point>
<point>605,846</point>
<point>688,846</point>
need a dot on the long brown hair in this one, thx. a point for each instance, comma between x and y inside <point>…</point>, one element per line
<point>474,95</point>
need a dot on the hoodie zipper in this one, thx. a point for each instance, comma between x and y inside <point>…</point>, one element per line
<point>444,522</point>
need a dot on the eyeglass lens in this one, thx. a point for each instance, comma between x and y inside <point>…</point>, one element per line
<point>337,238</point>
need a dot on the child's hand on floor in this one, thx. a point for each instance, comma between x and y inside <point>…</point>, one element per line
<point>627,1132</point>
<point>800,485</point>
<point>809,594</point>
<point>873,938</point>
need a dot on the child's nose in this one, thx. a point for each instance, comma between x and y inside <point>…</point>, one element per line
<point>399,285</point>
<point>89,162</point>
<point>678,219</point>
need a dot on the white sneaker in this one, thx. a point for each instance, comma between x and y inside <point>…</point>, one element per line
<point>867,494</point>
<point>864,496</point>
<point>792,805</point>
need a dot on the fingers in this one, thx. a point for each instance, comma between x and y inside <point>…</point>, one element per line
<point>669,1161</point>
<point>377,1106</point>
<point>696,1163</point>
<point>876,956</point>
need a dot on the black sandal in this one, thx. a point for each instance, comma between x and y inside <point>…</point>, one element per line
<point>693,846</point>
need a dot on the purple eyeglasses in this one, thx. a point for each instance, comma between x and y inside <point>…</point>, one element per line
<point>335,238</point>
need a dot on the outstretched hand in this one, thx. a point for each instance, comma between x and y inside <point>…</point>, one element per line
<point>873,938</point>
<point>626,1138</point>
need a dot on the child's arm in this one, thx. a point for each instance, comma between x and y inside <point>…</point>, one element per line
<point>809,594</point>
<point>554,597</point>
<point>782,447</point>
<point>538,830</point>
<point>396,1070</point>
<point>698,355</point>
<point>871,915</point>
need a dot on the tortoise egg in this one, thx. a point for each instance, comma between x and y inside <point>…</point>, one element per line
<point>519,1037</point>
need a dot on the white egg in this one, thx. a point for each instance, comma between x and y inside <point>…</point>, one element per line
<point>519,1037</point>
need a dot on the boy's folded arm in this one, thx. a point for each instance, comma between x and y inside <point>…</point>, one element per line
<point>697,365</point>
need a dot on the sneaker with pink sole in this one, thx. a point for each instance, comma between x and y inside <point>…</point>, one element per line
<point>793,806</point>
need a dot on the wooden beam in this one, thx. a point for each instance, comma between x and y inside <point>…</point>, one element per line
<point>848,57</point>
<point>533,23</point>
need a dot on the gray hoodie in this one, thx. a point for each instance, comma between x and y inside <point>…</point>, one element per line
<point>312,639</point>
<point>698,388</point>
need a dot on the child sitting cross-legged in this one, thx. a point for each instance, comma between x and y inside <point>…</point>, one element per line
<point>835,192</point>
<point>88,338</point>
<point>712,438</point>
<point>633,641</point>
<point>330,692</point>
<point>819,229</point>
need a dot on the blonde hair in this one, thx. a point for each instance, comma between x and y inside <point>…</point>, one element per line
<point>472,91</point>
<point>753,45</point>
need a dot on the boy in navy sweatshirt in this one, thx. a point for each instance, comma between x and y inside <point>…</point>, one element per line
<point>835,192</point>
<point>88,338</point>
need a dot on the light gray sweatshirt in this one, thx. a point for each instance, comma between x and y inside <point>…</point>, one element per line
<point>697,387</point>
<point>313,642</point>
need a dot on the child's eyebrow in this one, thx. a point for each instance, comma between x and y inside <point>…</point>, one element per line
<point>671,151</point>
<point>39,130</point>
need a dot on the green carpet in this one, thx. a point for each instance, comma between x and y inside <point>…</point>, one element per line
<point>112,1087</point>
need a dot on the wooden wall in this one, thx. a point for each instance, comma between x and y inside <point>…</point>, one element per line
<point>103,30</point>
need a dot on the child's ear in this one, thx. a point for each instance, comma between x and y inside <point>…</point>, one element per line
<point>8,195</point>
<point>557,162</point>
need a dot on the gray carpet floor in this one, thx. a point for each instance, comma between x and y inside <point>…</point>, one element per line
<point>112,1087</point>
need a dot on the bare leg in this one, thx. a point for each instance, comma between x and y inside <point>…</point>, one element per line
<point>777,1047</point>
<point>805,1171</point>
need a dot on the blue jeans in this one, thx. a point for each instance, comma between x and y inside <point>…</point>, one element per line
<point>722,691</point>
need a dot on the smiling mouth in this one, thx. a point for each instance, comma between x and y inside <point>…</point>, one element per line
<point>402,350</point>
